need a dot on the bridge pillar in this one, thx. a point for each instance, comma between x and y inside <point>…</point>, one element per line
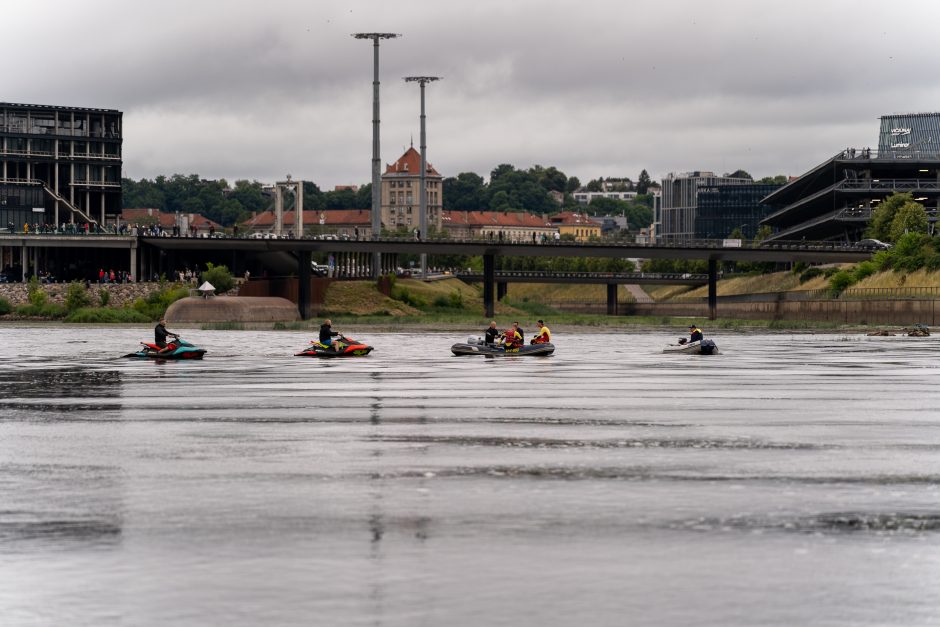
<point>303,284</point>
<point>712,289</point>
<point>501,288</point>
<point>489,278</point>
<point>611,299</point>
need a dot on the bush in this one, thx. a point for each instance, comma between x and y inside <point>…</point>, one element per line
<point>220,278</point>
<point>157,301</point>
<point>76,296</point>
<point>810,273</point>
<point>5,306</point>
<point>35,293</point>
<point>840,281</point>
<point>403,295</point>
<point>45,310</point>
<point>108,315</point>
<point>104,297</point>
<point>864,270</point>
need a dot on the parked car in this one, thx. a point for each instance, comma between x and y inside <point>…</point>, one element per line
<point>873,244</point>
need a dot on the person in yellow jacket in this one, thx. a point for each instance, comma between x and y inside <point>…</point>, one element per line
<point>543,336</point>
<point>511,338</point>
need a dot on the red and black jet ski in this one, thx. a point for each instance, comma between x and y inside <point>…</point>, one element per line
<point>341,347</point>
<point>178,349</point>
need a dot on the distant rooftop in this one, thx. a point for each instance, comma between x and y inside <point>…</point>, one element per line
<point>18,105</point>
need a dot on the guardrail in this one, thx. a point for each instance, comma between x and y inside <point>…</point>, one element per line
<point>852,293</point>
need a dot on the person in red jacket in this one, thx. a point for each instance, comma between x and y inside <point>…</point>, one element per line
<point>511,338</point>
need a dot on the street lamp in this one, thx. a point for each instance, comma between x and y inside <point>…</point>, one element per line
<point>376,163</point>
<point>422,191</point>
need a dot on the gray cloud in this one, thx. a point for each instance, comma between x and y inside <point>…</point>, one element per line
<point>256,90</point>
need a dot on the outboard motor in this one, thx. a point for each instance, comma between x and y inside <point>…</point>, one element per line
<point>707,347</point>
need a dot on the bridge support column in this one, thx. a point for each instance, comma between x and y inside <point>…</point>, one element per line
<point>611,299</point>
<point>303,284</point>
<point>501,288</point>
<point>24,262</point>
<point>133,269</point>
<point>489,278</point>
<point>712,289</point>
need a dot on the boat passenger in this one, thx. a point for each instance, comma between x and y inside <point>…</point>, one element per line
<point>695,333</point>
<point>511,338</point>
<point>327,334</point>
<point>515,325</point>
<point>491,334</point>
<point>544,336</point>
<point>160,334</point>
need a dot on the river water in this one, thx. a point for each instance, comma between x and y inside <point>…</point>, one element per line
<point>792,480</point>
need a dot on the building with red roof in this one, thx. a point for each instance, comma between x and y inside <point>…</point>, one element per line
<point>578,225</point>
<point>511,226</point>
<point>400,193</point>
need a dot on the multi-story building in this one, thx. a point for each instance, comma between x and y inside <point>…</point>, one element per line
<point>578,225</point>
<point>509,226</point>
<point>834,200</point>
<point>676,219</point>
<point>585,197</point>
<point>724,208</point>
<point>400,193</point>
<point>59,164</point>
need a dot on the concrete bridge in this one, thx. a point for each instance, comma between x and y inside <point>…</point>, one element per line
<point>146,255</point>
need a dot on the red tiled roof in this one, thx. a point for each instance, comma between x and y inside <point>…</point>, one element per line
<point>165,220</point>
<point>410,163</point>
<point>494,218</point>
<point>571,217</point>
<point>332,217</point>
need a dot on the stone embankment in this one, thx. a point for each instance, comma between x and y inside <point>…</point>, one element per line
<point>121,294</point>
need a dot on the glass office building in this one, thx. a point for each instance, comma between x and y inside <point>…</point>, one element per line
<point>61,164</point>
<point>724,208</point>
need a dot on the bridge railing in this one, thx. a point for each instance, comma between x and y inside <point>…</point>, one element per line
<point>852,293</point>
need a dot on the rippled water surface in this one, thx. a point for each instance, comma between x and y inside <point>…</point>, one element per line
<point>791,480</point>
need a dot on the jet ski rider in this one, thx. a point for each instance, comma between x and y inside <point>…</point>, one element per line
<point>327,334</point>
<point>160,334</point>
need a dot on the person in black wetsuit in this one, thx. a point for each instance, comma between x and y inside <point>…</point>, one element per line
<point>491,334</point>
<point>160,334</point>
<point>515,325</point>
<point>327,334</point>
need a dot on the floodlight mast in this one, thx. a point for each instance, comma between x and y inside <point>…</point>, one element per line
<point>423,190</point>
<point>376,160</point>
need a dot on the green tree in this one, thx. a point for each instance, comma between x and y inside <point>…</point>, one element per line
<point>573,185</point>
<point>881,218</point>
<point>464,192</point>
<point>740,174</point>
<point>643,183</point>
<point>911,217</point>
<point>76,296</point>
<point>219,276</point>
<point>780,179</point>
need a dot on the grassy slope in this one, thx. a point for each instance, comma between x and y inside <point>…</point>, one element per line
<point>362,298</point>
<point>563,293</point>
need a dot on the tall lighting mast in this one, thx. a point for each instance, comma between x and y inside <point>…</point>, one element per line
<point>376,160</point>
<point>423,190</point>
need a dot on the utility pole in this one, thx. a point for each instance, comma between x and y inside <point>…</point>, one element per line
<point>423,191</point>
<point>376,160</point>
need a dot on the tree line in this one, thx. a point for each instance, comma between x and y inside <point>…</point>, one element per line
<point>508,189</point>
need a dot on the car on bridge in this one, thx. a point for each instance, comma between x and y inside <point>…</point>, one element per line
<point>873,244</point>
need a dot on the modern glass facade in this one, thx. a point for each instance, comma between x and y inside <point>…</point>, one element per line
<point>724,208</point>
<point>909,135</point>
<point>71,155</point>
<point>680,202</point>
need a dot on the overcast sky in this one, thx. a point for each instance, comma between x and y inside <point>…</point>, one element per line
<point>257,90</point>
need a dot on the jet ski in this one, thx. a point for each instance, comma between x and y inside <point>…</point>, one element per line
<point>348,348</point>
<point>476,346</point>
<point>179,349</point>
<point>699,347</point>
